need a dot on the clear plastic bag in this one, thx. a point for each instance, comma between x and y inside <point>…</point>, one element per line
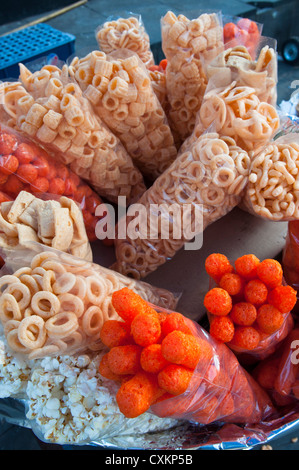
<point>279,374</point>
<point>125,33</point>
<point>236,110</point>
<point>239,31</point>
<point>290,255</point>
<point>236,63</point>
<point>125,100</point>
<point>245,307</point>
<point>177,370</point>
<point>54,112</point>
<point>53,303</point>
<point>27,166</point>
<point>188,46</point>
<point>203,184</point>
<point>272,191</point>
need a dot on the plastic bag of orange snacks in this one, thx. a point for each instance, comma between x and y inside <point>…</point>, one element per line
<point>279,374</point>
<point>170,366</point>
<point>26,166</point>
<point>242,31</point>
<point>249,304</point>
<point>290,257</point>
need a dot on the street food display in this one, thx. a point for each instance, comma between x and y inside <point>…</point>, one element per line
<point>93,349</point>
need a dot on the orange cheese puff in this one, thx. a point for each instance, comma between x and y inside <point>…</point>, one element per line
<point>246,337</point>
<point>135,396</point>
<point>152,359</point>
<point>146,329</point>
<point>115,333</point>
<point>175,321</point>
<point>255,292</point>
<point>217,301</point>
<point>186,350</point>
<point>217,265</point>
<point>266,372</point>
<point>243,313</point>
<point>174,379</point>
<point>269,319</point>
<point>226,406</point>
<point>128,304</point>
<point>283,297</point>
<point>207,410</point>
<point>222,329</point>
<point>232,283</point>
<point>106,372</point>
<point>247,265</point>
<point>269,271</point>
<point>125,359</point>
<point>230,31</point>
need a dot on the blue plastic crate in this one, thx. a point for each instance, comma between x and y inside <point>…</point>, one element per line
<point>30,44</point>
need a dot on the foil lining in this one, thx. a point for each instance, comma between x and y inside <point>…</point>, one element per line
<point>188,436</point>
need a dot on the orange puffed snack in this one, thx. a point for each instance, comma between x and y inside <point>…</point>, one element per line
<point>232,283</point>
<point>175,379</point>
<point>128,304</point>
<point>255,292</point>
<point>269,271</point>
<point>146,329</point>
<point>152,359</point>
<point>106,372</point>
<point>115,333</point>
<point>187,350</point>
<point>218,302</point>
<point>262,286</point>
<point>174,321</point>
<point>283,297</point>
<point>269,319</point>
<point>247,265</point>
<point>124,359</point>
<point>246,337</point>
<point>187,375</point>
<point>243,313</point>
<point>135,396</point>
<point>217,265</point>
<point>222,328</point>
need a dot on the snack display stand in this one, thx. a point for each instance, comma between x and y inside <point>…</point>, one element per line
<point>71,113</point>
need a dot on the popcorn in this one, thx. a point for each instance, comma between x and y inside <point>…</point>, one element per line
<point>14,372</point>
<point>69,402</point>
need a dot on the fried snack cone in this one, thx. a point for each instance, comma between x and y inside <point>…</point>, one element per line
<point>237,64</point>
<point>125,33</point>
<point>66,301</point>
<point>203,184</point>
<point>188,45</point>
<point>236,111</point>
<point>55,114</point>
<point>272,191</point>
<point>120,90</point>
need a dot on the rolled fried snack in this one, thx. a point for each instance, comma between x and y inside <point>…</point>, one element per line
<point>272,190</point>
<point>203,184</point>
<point>55,223</point>
<point>120,90</point>
<point>126,33</point>
<point>237,111</point>
<point>188,46</point>
<point>54,303</point>
<point>236,64</point>
<point>54,112</point>
<point>158,80</point>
